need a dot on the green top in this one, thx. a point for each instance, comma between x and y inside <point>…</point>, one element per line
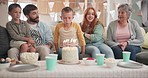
<point>97,36</point>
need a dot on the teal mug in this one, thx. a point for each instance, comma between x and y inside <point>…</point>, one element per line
<point>51,61</point>
<point>100,59</point>
<point>126,56</point>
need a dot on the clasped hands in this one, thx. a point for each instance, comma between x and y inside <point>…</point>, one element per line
<point>123,45</point>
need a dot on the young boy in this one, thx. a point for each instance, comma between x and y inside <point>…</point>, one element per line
<point>19,30</point>
<point>68,30</point>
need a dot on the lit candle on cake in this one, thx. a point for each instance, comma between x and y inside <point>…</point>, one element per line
<point>74,41</point>
<point>64,43</point>
<point>70,52</point>
<point>67,42</point>
<point>73,44</point>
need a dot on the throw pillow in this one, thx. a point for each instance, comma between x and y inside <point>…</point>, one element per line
<point>145,44</point>
<point>4,42</point>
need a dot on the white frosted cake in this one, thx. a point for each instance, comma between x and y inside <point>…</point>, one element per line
<point>70,55</point>
<point>29,58</point>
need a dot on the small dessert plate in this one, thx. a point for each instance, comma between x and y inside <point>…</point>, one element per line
<point>68,63</point>
<point>89,61</point>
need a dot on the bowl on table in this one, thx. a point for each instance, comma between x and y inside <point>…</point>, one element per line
<point>29,58</point>
<point>89,61</point>
<point>110,62</point>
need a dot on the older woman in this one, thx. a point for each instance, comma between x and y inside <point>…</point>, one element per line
<point>93,31</point>
<point>124,34</point>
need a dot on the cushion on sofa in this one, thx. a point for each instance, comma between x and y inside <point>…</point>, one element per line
<point>142,57</point>
<point>4,42</point>
<point>145,44</point>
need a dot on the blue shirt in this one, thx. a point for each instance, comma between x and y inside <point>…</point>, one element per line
<point>45,33</point>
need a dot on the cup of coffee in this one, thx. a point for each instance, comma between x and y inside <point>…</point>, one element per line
<point>126,56</point>
<point>51,61</point>
<point>100,59</point>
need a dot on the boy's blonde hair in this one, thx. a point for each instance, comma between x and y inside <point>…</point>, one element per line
<point>67,10</point>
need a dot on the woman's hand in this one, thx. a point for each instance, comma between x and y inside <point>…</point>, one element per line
<point>87,35</point>
<point>123,45</point>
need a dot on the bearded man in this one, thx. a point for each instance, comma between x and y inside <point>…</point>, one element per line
<point>40,33</point>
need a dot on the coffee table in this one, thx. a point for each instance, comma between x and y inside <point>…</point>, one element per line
<point>78,71</point>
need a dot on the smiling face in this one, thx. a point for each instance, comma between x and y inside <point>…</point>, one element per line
<point>15,13</point>
<point>67,17</point>
<point>122,15</point>
<point>90,15</point>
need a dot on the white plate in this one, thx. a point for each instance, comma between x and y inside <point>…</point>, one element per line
<point>23,68</point>
<point>130,64</point>
<point>68,63</point>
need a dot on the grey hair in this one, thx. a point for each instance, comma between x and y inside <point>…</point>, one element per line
<point>126,8</point>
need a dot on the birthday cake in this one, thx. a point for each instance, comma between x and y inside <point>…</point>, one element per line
<point>70,55</point>
<point>29,58</point>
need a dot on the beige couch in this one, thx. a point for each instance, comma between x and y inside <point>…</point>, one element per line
<point>142,57</point>
<point>139,55</point>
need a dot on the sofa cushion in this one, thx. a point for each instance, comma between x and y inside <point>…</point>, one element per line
<point>145,44</point>
<point>142,57</point>
<point>4,42</point>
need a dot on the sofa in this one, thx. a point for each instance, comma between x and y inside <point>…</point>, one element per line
<point>4,42</point>
<point>141,57</point>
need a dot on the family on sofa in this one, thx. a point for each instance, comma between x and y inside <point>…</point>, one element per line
<point>123,34</point>
<point>31,35</point>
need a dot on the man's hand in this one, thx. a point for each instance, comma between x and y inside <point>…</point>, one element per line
<point>31,41</point>
<point>47,47</point>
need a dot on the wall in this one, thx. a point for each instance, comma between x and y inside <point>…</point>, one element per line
<point>45,11</point>
<point>111,6</point>
<point>3,15</point>
<point>144,8</point>
<point>136,12</point>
